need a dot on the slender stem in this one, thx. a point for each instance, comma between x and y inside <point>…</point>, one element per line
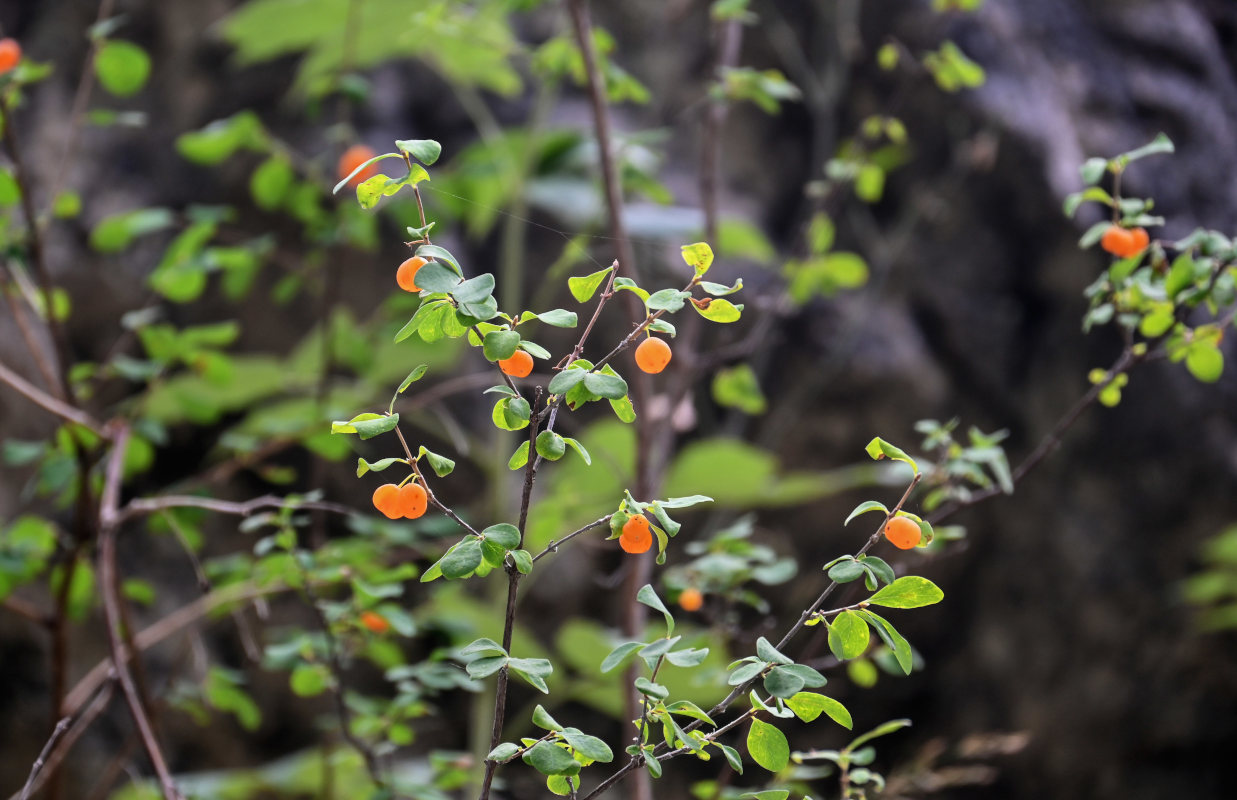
<point>27,333</point>
<point>109,523</point>
<point>429,493</point>
<point>731,39</point>
<point>151,505</point>
<point>553,546</point>
<point>63,737</point>
<point>41,398</point>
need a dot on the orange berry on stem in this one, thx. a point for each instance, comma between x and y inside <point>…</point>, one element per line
<point>1139,240</point>
<point>10,54</point>
<point>518,366</point>
<point>375,622</point>
<point>636,537</point>
<point>354,157</point>
<point>413,500</point>
<point>407,271</point>
<point>1117,241</point>
<point>653,355</point>
<point>386,500</point>
<point>691,599</point>
<point>903,532</point>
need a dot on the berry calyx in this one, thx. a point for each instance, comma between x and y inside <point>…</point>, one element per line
<point>653,355</point>
<point>691,599</point>
<point>636,537</point>
<point>903,532</point>
<point>10,54</point>
<point>407,271</point>
<point>518,366</point>
<point>413,500</point>
<point>386,499</point>
<point>352,158</point>
<point>375,622</point>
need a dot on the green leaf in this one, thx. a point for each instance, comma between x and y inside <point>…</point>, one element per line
<point>718,309</point>
<point>412,378</point>
<point>648,597</point>
<point>611,387</point>
<point>66,205</point>
<point>483,645</point>
<point>719,289</point>
<point>737,387</point>
<point>589,746</point>
<point>441,465</point>
<point>363,466</point>
<point>1205,362</point>
<point>565,380</point>
<point>542,719</point>
<point>690,657</point>
<point>650,689</point>
<point>115,233</point>
<point>699,256</point>
<point>580,449</point>
<point>559,318</point>
<point>550,446</point>
<point>523,559</point>
<point>220,139</point>
<point>848,636</point>
<point>732,757</point>
<point>1093,170</point>
<point>436,253</point>
<point>880,730</point>
<point>669,300</point>
<point>426,151</point>
<point>782,683</point>
<point>1160,144</point>
<point>309,680</point>
<point>503,752</point>
<point>504,534</point>
<point>911,591</point>
<point>878,449</point>
<point>367,425</point>
<point>865,507</point>
<point>499,345</point>
<point>511,414</point>
<point>472,291</point>
<point>550,759</point>
<point>482,668</point>
<point>893,640</point>
<point>520,457</point>
<point>533,670</point>
<point>270,183</point>
<point>619,654</point>
<point>768,746</point>
<point>767,652</point>
<point>1180,276</point>
<point>767,794</point>
<point>846,570</point>
<point>462,559</point>
<point>122,67</point>
<point>582,288</point>
<point>810,705</point>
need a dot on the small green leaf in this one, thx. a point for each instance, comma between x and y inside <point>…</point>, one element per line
<point>1205,362</point>
<point>782,683</point>
<point>520,457</point>
<point>542,719</point>
<point>848,636</point>
<point>718,309</point>
<point>122,67</point>
<point>500,345</point>
<point>699,256</point>
<point>588,746</point>
<point>363,466</point>
<point>503,752</point>
<point>550,446</point>
<point>504,534</point>
<point>580,449</point>
<point>559,318</point>
<point>893,640</point>
<point>550,759</point>
<point>767,652</point>
<point>611,387</point>
<point>768,746</point>
<point>619,654</point>
<point>911,591</point>
<point>880,730</point>
<point>650,689</point>
<point>271,182</point>
<point>1093,170</point>
<point>309,680</point>
<point>669,300</point>
<point>565,380</point>
<point>878,449</point>
<point>648,597</point>
<point>737,387</point>
<point>865,507</point>
<point>810,705</point>
<point>426,151</point>
<point>462,559</point>
<point>441,465</point>
<point>582,288</point>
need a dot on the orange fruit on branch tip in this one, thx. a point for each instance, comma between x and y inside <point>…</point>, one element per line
<point>375,622</point>
<point>903,532</point>
<point>10,54</point>
<point>1124,243</point>
<point>691,599</point>
<point>413,500</point>
<point>354,157</point>
<point>387,500</point>
<point>407,271</point>
<point>653,355</point>
<point>636,537</point>
<point>518,366</point>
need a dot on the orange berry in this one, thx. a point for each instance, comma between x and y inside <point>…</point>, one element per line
<point>903,532</point>
<point>636,537</point>
<point>407,271</point>
<point>1118,241</point>
<point>386,500</point>
<point>691,599</point>
<point>653,355</point>
<point>354,157</point>
<point>10,54</point>
<point>375,622</point>
<point>413,500</point>
<point>518,366</point>
<point>1139,240</point>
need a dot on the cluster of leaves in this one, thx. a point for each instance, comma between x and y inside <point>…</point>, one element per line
<point>1153,296</point>
<point>957,470</point>
<point>1214,588</point>
<point>727,562</point>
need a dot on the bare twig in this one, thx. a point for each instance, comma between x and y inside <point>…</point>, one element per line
<point>46,369</point>
<point>553,546</point>
<point>41,398</point>
<point>429,493</point>
<point>150,505</point>
<point>66,732</point>
<point>109,523</point>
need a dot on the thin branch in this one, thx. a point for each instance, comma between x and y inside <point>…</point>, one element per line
<point>65,734</point>
<point>46,369</point>
<point>151,505</point>
<point>731,39</point>
<point>109,522</point>
<point>24,609</point>
<point>429,493</point>
<point>41,398</point>
<point>553,546</point>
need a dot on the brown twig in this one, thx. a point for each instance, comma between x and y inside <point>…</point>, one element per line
<point>51,404</point>
<point>66,732</point>
<point>553,546</point>
<point>110,519</point>
<point>429,493</point>
<point>150,505</point>
<point>27,333</point>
